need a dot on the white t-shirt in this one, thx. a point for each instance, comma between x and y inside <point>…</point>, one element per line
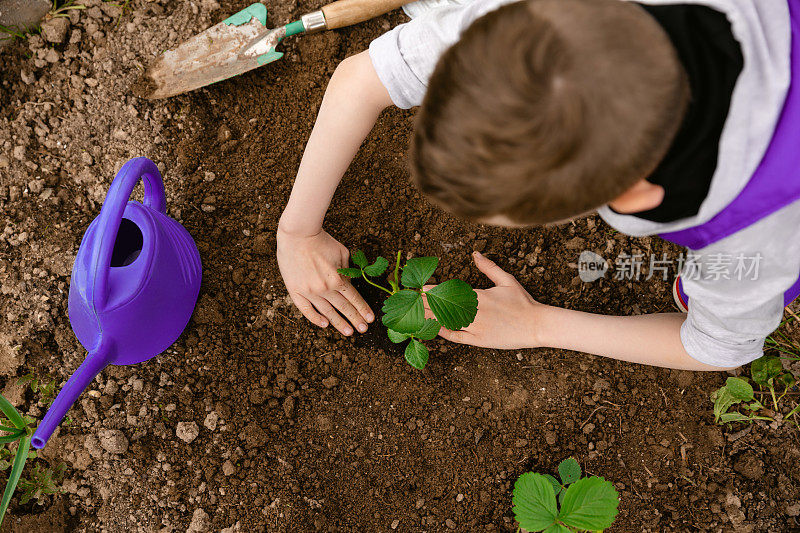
<point>728,319</point>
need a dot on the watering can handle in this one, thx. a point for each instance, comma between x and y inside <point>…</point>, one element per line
<point>138,168</point>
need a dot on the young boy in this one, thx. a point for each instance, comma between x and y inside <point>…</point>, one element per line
<point>677,119</point>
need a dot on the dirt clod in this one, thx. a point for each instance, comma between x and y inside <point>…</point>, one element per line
<point>187,431</point>
<point>113,441</point>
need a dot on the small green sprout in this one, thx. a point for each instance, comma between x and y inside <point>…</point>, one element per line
<point>454,303</point>
<point>584,504</point>
<point>45,389</point>
<point>43,482</point>
<point>736,400</point>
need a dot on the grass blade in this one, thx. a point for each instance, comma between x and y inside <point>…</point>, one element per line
<point>16,473</point>
<point>11,413</point>
<point>14,436</point>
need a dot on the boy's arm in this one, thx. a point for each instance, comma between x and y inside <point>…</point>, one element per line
<point>509,318</point>
<point>307,256</point>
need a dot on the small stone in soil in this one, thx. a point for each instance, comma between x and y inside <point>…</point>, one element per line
<point>199,522</point>
<point>187,431</point>
<point>330,382</point>
<point>113,441</point>
<point>211,420</point>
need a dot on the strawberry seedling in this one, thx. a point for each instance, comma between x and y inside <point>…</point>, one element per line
<point>584,504</point>
<point>454,303</point>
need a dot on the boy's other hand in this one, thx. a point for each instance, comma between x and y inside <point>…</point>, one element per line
<point>506,318</point>
<point>308,265</point>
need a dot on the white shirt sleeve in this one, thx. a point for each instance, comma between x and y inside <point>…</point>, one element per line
<point>406,56</point>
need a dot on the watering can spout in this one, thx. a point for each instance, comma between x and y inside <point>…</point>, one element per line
<point>94,363</point>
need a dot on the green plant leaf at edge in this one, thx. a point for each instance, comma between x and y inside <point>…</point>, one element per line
<point>359,258</point>
<point>396,337</point>
<point>16,472</point>
<point>417,354</point>
<point>404,312</point>
<point>11,413</point>
<point>377,268</point>
<point>569,470</point>
<point>349,272</point>
<point>734,416</point>
<point>723,400</point>
<point>589,503</point>
<point>556,484</point>
<point>739,389</point>
<point>534,503</point>
<point>454,303</point>
<point>429,330</point>
<point>557,528</point>
<point>14,436</point>
<point>417,271</point>
<point>764,368</point>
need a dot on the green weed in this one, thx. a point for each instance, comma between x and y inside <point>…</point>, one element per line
<point>737,401</point>
<point>14,428</point>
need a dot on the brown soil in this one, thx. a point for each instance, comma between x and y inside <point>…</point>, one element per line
<point>299,428</point>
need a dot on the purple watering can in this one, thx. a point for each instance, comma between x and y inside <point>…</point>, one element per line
<point>134,284</point>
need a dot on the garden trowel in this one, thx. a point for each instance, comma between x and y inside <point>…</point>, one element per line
<point>243,42</point>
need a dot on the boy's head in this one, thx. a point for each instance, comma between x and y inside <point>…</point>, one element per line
<point>547,109</point>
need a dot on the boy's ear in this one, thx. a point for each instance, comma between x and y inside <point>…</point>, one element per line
<point>641,197</point>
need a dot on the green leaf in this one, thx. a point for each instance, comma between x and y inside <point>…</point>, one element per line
<point>417,354</point>
<point>589,503</point>
<point>569,470</point>
<point>733,417</point>
<point>755,406</point>
<point>16,472</point>
<point>11,413</point>
<point>418,270</point>
<point>454,304</point>
<point>785,380</point>
<point>377,268</point>
<point>534,502</point>
<point>396,337</point>
<point>723,400</point>
<point>765,368</point>
<point>404,312</point>
<point>557,528</point>
<point>349,272</point>
<point>739,389</point>
<point>553,481</point>
<point>359,258</point>
<point>429,330</point>
<point>14,436</point>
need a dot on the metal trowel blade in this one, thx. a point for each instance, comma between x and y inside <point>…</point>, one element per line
<point>221,52</point>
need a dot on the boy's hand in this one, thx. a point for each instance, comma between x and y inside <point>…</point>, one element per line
<point>506,316</point>
<point>308,265</point>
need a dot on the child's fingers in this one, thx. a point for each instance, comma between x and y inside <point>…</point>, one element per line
<point>324,307</point>
<point>492,271</point>
<point>308,311</point>
<point>344,307</point>
<point>358,302</point>
<point>460,337</point>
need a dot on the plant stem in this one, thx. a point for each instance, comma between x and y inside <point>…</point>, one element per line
<point>397,271</point>
<point>774,401</point>
<point>384,289</point>
<point>793,411</point>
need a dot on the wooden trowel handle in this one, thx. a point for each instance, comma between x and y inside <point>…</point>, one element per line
<point>348,12</point>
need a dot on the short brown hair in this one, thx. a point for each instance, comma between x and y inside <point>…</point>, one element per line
<point>547,109</point>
